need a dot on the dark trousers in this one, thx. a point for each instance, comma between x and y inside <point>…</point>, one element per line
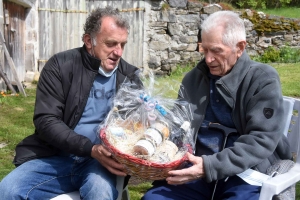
<point>234,188</point>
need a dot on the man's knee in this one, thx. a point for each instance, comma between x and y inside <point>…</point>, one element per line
<point>11,189</point>
<point>97,186</point>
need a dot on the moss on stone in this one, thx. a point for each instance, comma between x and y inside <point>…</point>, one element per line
<point>271,24</point>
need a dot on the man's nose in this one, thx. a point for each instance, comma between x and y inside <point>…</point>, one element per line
<point>118,50</point>
<point>209,58</point>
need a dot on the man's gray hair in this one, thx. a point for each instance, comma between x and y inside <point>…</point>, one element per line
<point>93,22</point>
<point>233,27</point>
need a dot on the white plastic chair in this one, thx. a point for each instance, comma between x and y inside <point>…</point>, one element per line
<point>123,192</point>
<point>280,182</point>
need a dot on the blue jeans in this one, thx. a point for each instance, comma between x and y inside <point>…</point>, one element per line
<point>232,189</point>
<point>48,177</point>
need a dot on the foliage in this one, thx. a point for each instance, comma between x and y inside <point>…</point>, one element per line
<point>254,4</point>
<point>283,55</point>
<point>226,6</point>
<point>289,55</point>
<point>278,3</point>
<point>270,24</point>
<point>251,4</point>
<point>165,6</point>
<point>270,55</point>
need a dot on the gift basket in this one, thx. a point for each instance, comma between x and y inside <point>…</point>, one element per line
<point>148,132</point>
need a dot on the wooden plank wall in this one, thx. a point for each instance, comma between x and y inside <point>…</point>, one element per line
<point>134,10</point>
<point>60,26</point>
<point>14,35</point>
<point>2,83</point>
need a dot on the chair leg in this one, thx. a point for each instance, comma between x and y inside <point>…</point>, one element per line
<point>125,194</point>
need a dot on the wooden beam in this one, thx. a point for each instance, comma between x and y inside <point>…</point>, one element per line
<point>12,65</point>
<point>7,82</point>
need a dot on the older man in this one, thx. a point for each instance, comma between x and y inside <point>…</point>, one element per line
<point>74,95</point>
<point>230,94</point>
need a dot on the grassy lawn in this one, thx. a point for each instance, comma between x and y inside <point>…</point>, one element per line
<point>290,79</point>
<point>291,12</point>
<point>16,114</point>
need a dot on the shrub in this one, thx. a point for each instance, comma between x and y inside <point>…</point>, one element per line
<point>270,55</point>
<point>226,6</point>
<point>283,55</point>
<point>289,55</point>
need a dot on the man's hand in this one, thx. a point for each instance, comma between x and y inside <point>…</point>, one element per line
<point>100,153</point>
<point>182,176</point>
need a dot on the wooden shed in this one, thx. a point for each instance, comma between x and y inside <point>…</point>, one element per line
<point>34,30</point>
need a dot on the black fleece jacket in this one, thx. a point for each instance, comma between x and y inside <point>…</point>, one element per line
<point>61,96</point>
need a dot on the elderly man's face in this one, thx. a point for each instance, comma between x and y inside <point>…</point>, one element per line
<point>111,41</point>
<point>220,58</point>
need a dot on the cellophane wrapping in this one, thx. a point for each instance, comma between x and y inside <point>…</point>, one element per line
<point>135,109</point>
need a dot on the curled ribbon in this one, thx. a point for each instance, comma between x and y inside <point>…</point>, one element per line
<point>151,104</point>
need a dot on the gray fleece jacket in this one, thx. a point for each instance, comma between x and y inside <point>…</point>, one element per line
<point>253,92</point>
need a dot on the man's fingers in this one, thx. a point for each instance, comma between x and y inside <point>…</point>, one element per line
<point>103,156</point>
<point>177,180</point>
<point>193,159</point>
<point>106,152</point>
<point>180,172</point>
<point>116,171</point>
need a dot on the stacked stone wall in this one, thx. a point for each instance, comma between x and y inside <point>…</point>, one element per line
<point>173,35</point>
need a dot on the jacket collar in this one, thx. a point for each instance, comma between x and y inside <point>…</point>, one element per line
<point>233,79</point>
<point>89,61</point>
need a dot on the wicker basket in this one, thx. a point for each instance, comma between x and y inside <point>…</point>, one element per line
<point>142,168</point>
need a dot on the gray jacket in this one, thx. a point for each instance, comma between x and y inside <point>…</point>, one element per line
<point>253,92</point>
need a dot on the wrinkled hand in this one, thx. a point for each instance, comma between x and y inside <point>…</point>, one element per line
<point>185,175</point>
<point>100,153</point>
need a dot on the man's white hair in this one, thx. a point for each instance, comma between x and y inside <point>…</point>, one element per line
<point>233,27</point>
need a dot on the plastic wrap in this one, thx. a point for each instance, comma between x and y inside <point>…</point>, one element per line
<point>148,124</point>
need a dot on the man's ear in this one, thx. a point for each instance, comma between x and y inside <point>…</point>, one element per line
<point>88,41</point>
<point>241,45</point>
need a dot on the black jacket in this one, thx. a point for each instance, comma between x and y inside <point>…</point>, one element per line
<point>61,96</point>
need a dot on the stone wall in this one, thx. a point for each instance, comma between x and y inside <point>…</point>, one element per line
<point>173,33</point>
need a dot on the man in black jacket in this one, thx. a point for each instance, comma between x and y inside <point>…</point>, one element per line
<point>74,95</point>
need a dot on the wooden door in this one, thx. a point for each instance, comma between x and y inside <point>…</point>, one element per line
<point>14,35</point>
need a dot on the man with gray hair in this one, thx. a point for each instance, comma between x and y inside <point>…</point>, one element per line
<point>238,118</point>
<point>74,95</point>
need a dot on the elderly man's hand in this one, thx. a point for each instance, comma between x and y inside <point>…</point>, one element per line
<point>182,176</point>
<point>100,153</point>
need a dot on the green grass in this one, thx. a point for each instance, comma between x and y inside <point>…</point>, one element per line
<point>291,12</point>
<point>16,114</point>
<point>137,191</point>
<point>289,77</point>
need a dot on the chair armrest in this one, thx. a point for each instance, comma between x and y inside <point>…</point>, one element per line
<point>279,183</point>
